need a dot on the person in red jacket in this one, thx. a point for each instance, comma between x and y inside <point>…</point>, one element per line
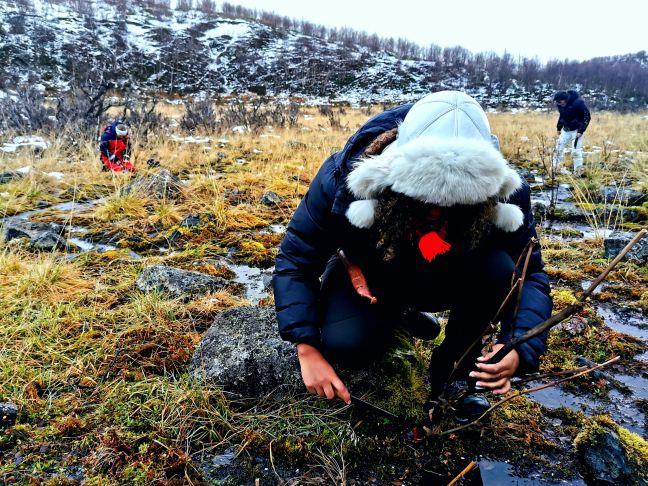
<point>115,148</point>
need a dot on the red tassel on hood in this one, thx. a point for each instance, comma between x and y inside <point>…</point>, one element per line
<point>432,244</point>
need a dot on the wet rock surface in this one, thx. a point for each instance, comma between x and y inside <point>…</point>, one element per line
<point>605,461</point>
<point>616,242</point>
<point>42,236</point>
<point>628,197</point>
<point>178,283</point>
<point>8,414</point>
<point>243,353</point>
<point>161,185</point>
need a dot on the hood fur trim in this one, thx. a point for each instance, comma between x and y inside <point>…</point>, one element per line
<point>361,213</point>
<point>437,171</point>
<point>508,217</point>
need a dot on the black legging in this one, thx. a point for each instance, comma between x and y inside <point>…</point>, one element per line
<point>355,333</point>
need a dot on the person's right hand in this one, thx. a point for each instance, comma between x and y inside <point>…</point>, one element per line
<point>558,133</point>
<point>319,376</point>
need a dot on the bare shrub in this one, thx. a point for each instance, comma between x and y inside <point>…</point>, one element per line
<point>332,116</point>
<point>257,114</point>
<point>142,115</point>
<point>184,5</point>
<point>207,6</point>
<point>24,110</point>
<point>199,114</point>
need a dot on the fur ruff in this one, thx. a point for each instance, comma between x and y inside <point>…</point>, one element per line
<point>437,171</point>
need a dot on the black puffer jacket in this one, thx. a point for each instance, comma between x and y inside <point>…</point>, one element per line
<point>319,227</point>
<point>574,115</point>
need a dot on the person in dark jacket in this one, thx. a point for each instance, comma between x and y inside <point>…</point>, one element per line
<point>573,120</point>
<point>422,202</point>
<point>115,148</point>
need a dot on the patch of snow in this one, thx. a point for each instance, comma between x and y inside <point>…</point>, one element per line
<point>24,170</point>
<point>56,175</point>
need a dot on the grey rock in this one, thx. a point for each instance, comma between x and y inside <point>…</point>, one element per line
<point>8,415</point>
<point>9,175</point>
<point>616,242</point>
<point>628,197</point>
<point>605,460</point>
<point>243,353</point>
<point>48,241</point>
<point>17,228</point>
<point>270,198</point>
<point>178,283</point>
<point>161,185</point>
<point>574,326</point>
<point>296,144</point>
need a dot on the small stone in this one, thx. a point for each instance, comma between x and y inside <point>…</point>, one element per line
<point>296,144</point>
<point>8,414</point>
<point>9,175</point>
<point>270,199</point>
<point>628,197</point>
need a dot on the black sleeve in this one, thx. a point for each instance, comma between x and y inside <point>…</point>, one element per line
<point>309,243</point>
<point>585,119</point>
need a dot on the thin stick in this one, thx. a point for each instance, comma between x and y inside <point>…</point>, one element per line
<point>550,374</point>
<point>529,390</point>
<point>567,311</point>
<point>465,471</point>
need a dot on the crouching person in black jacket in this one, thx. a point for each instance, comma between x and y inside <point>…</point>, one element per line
<point>422,202</point>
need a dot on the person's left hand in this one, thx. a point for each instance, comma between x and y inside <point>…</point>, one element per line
<point>496,377</point>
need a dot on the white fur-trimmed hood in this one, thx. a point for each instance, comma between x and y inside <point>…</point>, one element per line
<point>444,155</point>
<point>437,171</point>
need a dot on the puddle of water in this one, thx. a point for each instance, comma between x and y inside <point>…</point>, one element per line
<point>627,321</point>
<point>620,407</point>
<point>495,473</point>
<point>86,245</point>
<point>254,280</point>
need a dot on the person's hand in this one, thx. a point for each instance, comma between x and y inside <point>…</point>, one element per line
<point>558,133</point>
<point>579,135</point>
<point>496,377</point>
<point>126,158</point>
<point>112,157</point>
<point>319,376</point>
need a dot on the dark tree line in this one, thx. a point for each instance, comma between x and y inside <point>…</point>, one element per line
<point>623,77</point>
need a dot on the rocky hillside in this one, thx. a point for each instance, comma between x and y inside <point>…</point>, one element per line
<point>158,46</point>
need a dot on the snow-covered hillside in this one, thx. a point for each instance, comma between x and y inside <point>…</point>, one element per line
<point>147,46</point>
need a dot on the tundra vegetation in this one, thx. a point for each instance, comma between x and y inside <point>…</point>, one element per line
<point>98,370</point>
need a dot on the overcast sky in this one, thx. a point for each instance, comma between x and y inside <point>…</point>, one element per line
<point>548,29</point>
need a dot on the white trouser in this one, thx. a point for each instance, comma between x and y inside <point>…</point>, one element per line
<point>566,139</point>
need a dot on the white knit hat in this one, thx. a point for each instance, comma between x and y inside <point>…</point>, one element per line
<point>121,130</point>
<point>444,155</point>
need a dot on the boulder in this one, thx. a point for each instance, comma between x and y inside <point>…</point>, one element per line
<point>161,185</point>
<point>8,415</point>
<point>42,236</point>
<point>18,228</point>
<point>617,241</point>
<point>243,353</point>
<point>604,459</point>
<point>178,283</point>
<point>627,197</point>
<point>270,198</point>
